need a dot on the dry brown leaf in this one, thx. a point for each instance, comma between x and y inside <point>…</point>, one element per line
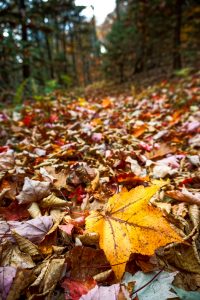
<point>161,151</point>
<point>86,262</point>
<point>22,279</point>
<point>25,245</point>
<point>185,196</point>
<point>12,256</point>
<point>52,201</point>
<point>60,176</point>
<point>34,210</point>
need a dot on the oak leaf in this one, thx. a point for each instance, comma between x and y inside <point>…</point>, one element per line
<point>130,225</point>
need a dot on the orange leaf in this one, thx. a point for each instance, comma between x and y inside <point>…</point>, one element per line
<point>106,103</point>
<point>96,122</point>
<point>140,130</point>
<point>130,225</point>
<point>163,150</point>
<point>132,178</point>
<point>176,116</point>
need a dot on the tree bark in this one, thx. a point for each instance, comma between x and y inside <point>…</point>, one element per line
<point>177,63</point>
<point>51,66</point>
<point>74,62</point>
<point>64,44</point>
<point>25,65</point>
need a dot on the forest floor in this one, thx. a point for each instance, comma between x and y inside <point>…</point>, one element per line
<point>92,187</point>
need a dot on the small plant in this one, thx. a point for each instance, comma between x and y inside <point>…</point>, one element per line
<point>18,98</point>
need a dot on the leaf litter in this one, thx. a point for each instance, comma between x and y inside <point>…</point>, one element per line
<point>127,167</point>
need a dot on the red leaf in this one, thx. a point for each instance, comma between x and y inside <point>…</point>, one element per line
<point>3,149</point>
<point>78,194</point>
<point>53,118</point>
<point>14,212</point>
<point>27,120</point>
<point>74,289</point>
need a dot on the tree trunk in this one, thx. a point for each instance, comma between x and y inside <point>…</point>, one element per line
<point>51,67</point>
<point>118,10</point>
<point>25,65</point>
<point>74,62</point>
<point>177,64</point>
<point>121,72</point>
<point>64,49</point>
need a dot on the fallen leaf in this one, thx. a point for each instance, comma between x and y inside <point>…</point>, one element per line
<point>131,178</point>
<point>25,245</point>
<point>146,287</point>
<point>14,212</point>
<point>182,257</point>
<point>161,151</point>
<point>130,219</point>
<point>22,279</point>
<point>7,275</point>
<point>135,167</point>
<point>58,177</point>
<point>74,289</point>
<point>103,292</point>
<point>185,196</point>
<point>33,191</point>
<point>7,160</point>
<point>86,262</point>
<point>139,130</point>
<point>185,295</point>
<point>12,256</point>
<point>106,102</point>
<point>34,210</point>
<point>52,201</point>
<point>162,170</point>
<point>35,230</point>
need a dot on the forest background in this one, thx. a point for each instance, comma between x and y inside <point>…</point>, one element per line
<point>48,45</point>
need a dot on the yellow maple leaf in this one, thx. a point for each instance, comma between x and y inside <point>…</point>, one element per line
<point>130,225</point>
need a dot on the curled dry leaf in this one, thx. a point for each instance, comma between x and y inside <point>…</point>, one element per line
<point>130,219</point>
<point>185,196</point>
<point>102,276</point>
<point>95,181</point>
<point>49,275</point>
<point>182,257</point>
<point>12,256</point>
<point>33,191</point>
<point>34,210</point>
<point>161,151</point>
<point>52,201</point>
<point>53,273</point>
<point>22,279</point>
<point>25,245</point>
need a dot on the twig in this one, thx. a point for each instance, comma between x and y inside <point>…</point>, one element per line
<point>143,286</point>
